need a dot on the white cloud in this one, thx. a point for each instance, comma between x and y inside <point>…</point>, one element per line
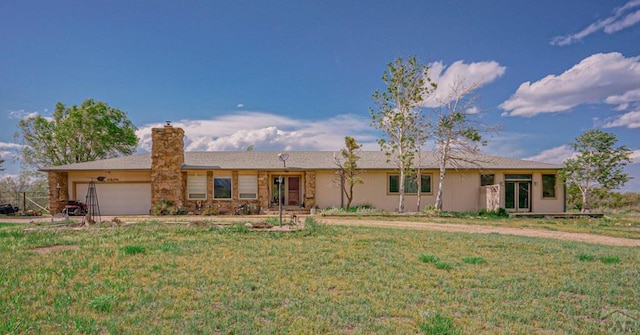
<point>9,145</point>
<point>635,156</point>
<point>240,105</point>
<point>555,155</point>
<point>594,80</point>
<point>628,120</point>
<point>265,131</point>
<point>472,74</point>
<point>22,114</point>
<point>619,20</point>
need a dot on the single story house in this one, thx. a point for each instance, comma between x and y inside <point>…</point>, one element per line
<point>225,180</point>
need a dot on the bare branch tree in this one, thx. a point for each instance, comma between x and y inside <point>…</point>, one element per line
<point>399,114</point>
<point>348,171</point>
<point>456,131</point>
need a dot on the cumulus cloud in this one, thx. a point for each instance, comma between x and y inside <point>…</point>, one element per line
<point>264,131</point>
<point>22,114</point>
<point>599,78</point>
<point>9,145</point>
<point>628,120</point>
<point>460,75</point>
<point>555,155</point>
<point>621,18</point>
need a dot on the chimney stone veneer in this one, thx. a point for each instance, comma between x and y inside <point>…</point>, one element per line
<point>167,158</point>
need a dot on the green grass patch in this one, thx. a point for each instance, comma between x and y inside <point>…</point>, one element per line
<point>323,280</point>
<point>587,258</point>
<point>428,258</point>
<point>444,266</point>
<point>438,325</point>
<point>610,259</point>
<point>133,249</point>
<point>473,260</point>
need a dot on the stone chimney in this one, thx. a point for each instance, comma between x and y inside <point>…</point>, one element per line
<point>167,157</point>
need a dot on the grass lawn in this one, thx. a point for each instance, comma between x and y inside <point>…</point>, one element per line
<point>173,278</point>
<point>627,226</point>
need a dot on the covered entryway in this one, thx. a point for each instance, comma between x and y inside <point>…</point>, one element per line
<point>291,190</point>
<point>119,198</point>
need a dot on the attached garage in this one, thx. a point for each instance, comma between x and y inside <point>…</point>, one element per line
<point>119,198</point>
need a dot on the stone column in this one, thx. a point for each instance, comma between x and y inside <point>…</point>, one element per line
<point>58,191</point>
<point>263,189</point>
<point>310,189</point>
<point>167,158</point>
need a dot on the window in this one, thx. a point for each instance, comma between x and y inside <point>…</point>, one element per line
<point>410,185</point>
<point>222,187</point>
<point>548,185</point>
<point>247,187</point>
<point>487,179</point>
<point>196,187</point>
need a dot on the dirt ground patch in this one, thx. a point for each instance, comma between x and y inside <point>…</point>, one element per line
<point>54,248</point>
<point>478,229</point>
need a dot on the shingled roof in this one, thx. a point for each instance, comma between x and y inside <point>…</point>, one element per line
<point>304,160</point>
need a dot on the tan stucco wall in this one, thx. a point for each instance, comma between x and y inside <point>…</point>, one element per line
<point>461,193</point>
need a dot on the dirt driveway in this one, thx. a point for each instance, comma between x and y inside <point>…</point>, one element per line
<point>446,227</point>
<point>478,229</point>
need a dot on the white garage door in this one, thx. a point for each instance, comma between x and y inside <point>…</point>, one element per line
<point>119,199</point>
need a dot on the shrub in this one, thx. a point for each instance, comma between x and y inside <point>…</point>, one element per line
<point>163,207</point>
<point>210,211</point>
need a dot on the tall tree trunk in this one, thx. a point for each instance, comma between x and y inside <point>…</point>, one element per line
<point>585,203</point>
<point>401,190</point>
<point>440,187</point>
<point>419,182</point>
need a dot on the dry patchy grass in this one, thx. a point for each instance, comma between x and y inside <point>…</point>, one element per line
<point>174,278</point>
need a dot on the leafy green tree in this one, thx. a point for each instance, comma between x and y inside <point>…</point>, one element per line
<point>75,134</point>
<point>398,113</point>
<point>598,165</point>
<point>348,171</point>
<point>456,132</point>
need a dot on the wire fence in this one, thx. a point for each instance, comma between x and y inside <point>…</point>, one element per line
<point>26,201</point>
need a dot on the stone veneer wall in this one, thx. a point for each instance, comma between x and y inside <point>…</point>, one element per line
<point>310,189</point>
<point>58,201</point>
<point>263,189</point>
<point>167,157</point>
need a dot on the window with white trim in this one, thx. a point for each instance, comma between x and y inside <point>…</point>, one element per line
<point>197,187</point>
<point>222,187</point>
<point>248,187</point>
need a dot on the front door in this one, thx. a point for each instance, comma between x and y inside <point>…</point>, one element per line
<point>293,191</point>
<point>517,193</point>
<point>288,192</point>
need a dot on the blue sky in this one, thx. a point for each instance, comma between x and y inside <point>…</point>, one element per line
<point>298,75</point>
